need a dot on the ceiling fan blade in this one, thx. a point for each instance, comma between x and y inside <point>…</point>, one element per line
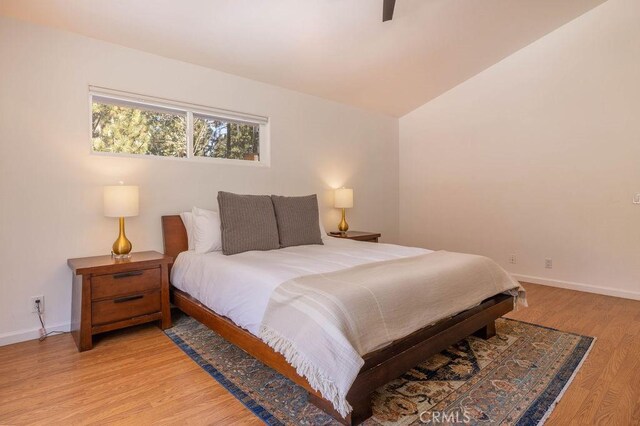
<point>387,10</point>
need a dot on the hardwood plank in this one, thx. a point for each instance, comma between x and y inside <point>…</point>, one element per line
<point>139,375</point>
<point>594,396</point>
<point>136,374</point>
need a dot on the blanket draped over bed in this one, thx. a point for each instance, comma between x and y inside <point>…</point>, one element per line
<point>324,323</point>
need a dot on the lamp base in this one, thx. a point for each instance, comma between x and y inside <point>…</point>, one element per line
<point>343,226</point>
<point>121,256</point>
<point>122,246</point>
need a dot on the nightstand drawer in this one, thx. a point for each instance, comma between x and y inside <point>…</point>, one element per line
<point>125,307</point>
<point>369,237</point>
<point>123,283</point>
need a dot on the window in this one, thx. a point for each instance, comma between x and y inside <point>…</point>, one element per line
<point>217,138</point>
<point>129,128</point>
<point>135,125</point>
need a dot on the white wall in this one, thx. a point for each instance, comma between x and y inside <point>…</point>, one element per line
<point>538,156</point>
<point>51,187</point>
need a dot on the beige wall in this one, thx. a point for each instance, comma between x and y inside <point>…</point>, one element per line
<point>51,187</point>
<point>537,156</point>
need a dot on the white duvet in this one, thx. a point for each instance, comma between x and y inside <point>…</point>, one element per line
<point>239,286</point>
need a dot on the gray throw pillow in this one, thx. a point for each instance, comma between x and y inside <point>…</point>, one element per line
<point>298,222</point>
<point>247,222</point>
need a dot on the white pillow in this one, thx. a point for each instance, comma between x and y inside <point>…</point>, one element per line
<point>323,233</point>
<point>206,231</point>
<point>187,219</point>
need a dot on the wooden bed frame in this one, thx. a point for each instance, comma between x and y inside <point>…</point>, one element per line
<point>380,367</point>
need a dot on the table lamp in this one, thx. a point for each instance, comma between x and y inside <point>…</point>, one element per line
<point>121,201</point>
<point>343,200</point>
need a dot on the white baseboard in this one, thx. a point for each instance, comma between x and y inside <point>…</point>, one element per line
<point>31,334</point>
<point>625,294</point>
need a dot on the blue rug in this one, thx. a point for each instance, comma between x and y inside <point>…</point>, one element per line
<point>514,378</point>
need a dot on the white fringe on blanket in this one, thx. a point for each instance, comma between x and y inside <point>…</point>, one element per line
<point>316,378</point>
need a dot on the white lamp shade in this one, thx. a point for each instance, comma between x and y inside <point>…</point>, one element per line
<point>343,198</point>
<point>121,201</point>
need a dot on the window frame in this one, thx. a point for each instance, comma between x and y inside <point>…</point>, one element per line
<point>189,109</point>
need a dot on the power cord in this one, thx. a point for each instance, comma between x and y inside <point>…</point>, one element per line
<point>46,333</point>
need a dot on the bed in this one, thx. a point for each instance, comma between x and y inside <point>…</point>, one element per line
<point>225,309</point>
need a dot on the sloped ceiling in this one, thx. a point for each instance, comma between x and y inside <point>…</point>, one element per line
<point>334,49</point>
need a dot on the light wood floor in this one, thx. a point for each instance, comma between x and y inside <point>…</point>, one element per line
<point>139,376</point>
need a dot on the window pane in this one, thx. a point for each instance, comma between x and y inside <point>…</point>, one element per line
<point>217,138</point>
<point>130,130</point>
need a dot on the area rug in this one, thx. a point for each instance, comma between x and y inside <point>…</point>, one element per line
<point>514,378</point>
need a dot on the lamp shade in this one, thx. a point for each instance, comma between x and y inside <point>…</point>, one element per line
<point>121,201</point>
<point>343,198</point>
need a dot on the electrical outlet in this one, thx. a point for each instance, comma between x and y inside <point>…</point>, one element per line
<point>34,304</point>
<point>512,259</point>
<point>548,263</point>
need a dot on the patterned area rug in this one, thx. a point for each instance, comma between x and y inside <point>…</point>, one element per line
<point>514,378</point>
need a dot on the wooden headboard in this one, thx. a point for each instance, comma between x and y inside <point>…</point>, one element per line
<point>174,236</point>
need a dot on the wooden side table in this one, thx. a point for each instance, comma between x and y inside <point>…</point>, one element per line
<point>109,294</point>
<point>371,237</point>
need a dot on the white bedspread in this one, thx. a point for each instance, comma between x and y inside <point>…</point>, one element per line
<point>239,286</point>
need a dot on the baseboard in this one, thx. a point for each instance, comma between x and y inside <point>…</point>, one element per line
<point>625,294</point>
<point>31,334</point>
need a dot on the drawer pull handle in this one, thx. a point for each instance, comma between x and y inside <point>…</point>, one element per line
<point>127,274</point>
<point>128,298</point>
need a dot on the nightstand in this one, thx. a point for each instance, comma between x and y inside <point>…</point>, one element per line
<point>371,237</point>
<point>109,294</point>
